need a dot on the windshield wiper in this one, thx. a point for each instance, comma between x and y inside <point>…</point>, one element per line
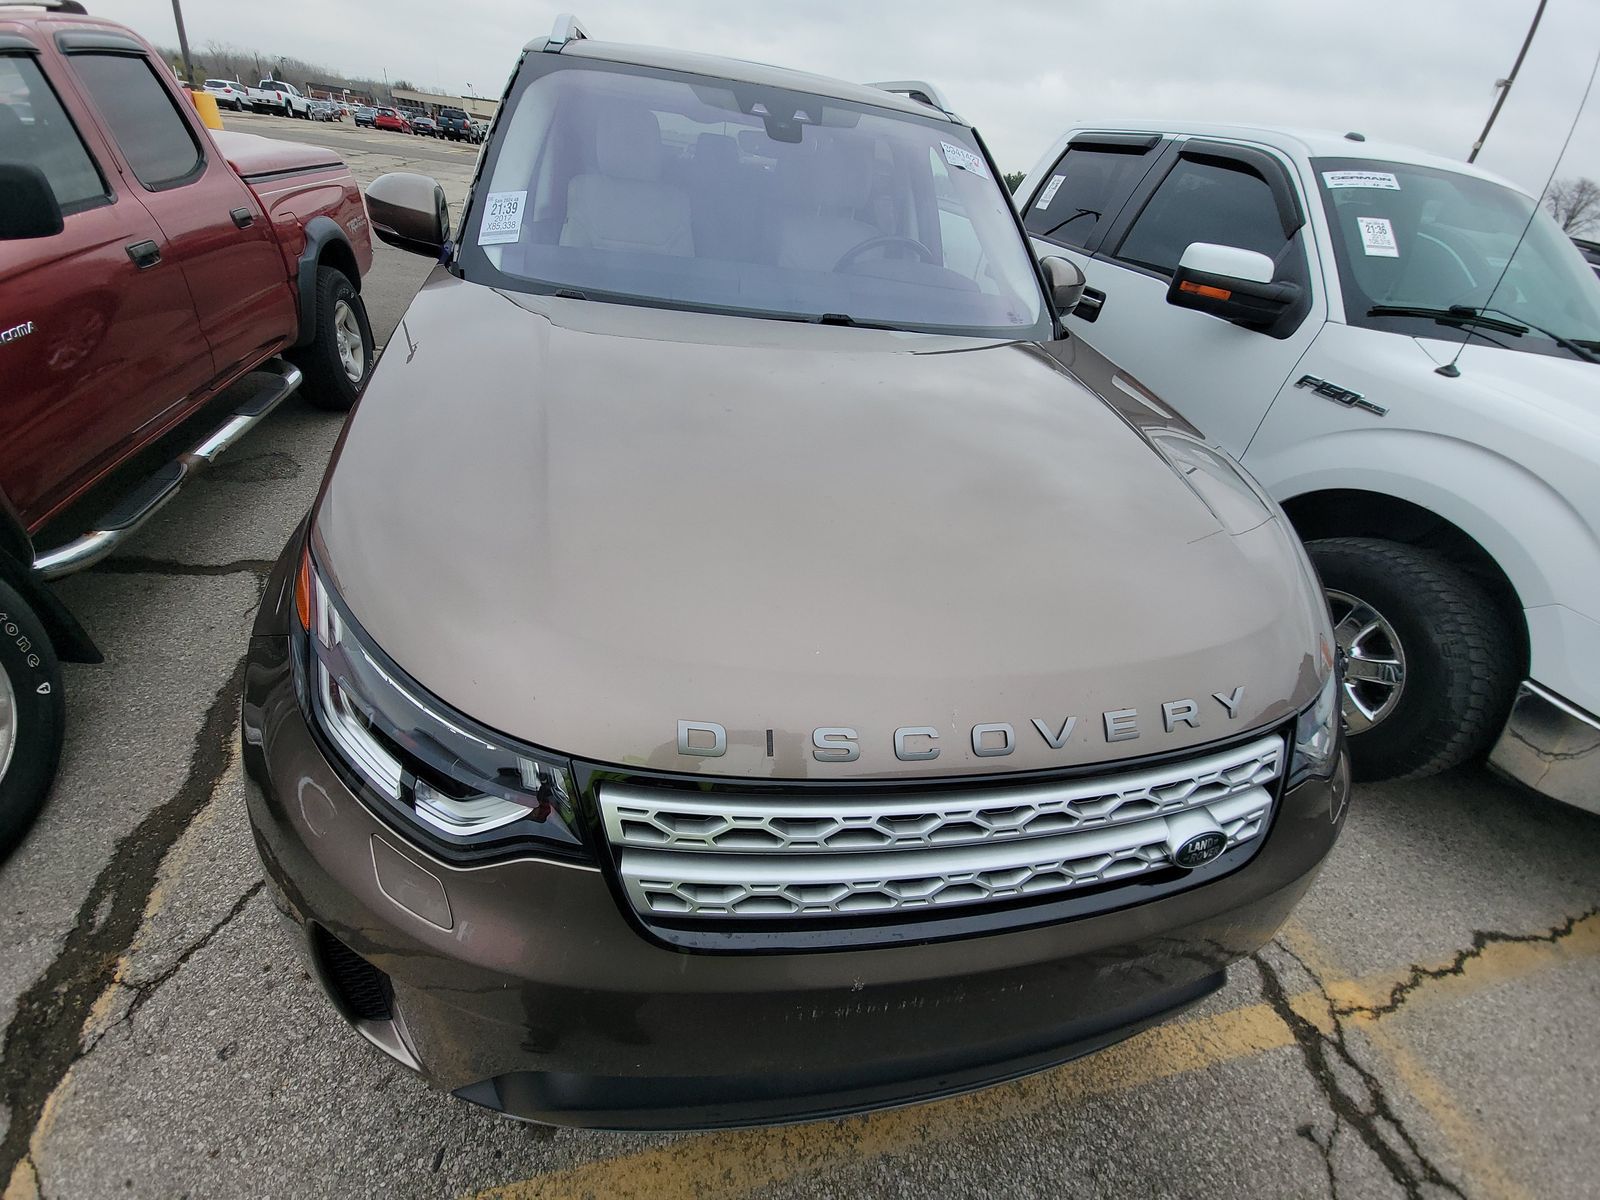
<point>852,322</point>
<point>1570,345</point>
<point>1456,314</point>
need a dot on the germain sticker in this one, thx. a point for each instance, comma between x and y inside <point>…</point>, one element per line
<point>1363,179</point>
<point>959,156</point>
<point>502,218</point>
<point>1050,190</point>
<point>1377,237</point>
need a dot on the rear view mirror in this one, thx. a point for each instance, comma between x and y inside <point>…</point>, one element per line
<point>1230,283</point>
<point>409,211</point>
<point>1066,283</point>
<point>28,207</point>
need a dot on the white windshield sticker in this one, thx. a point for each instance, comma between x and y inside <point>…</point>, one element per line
<point>1367,179</point>
<point>502,218</point>
<point>1377,237</point>
<point>958,156</point>
<point>1050,191</point>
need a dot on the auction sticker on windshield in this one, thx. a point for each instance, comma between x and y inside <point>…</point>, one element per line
<point>1050,191</point>
<point>1365,179</point>
<point>502,218</point>
<point>1377,237</point>
<point>958,156</point>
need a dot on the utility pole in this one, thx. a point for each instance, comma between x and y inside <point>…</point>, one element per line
<point>1502,86</point>
<point>183,42</point>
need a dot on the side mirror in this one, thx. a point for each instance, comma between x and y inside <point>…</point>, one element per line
<point>1066,283</point>
<point>1230,283</point>
<point>409,211</point>
<point>28,207</point>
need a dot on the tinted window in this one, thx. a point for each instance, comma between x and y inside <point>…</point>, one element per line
<point>143,118</point>
<point>1204,202</point>
<point>1093,182</point>
<point>34,130</point>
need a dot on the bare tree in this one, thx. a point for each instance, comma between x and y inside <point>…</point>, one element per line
<point>1575,204</point>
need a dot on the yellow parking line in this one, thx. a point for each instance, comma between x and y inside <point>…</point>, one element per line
<point>736,1162</point>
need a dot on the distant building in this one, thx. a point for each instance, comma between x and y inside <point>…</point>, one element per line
<point>476,107</point>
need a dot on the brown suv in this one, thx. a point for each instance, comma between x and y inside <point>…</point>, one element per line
<point>745,664</point>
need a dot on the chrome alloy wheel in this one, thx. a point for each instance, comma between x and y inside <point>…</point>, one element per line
<point>347,335</point>
<point>8,722</point>
<point>1375,661</point>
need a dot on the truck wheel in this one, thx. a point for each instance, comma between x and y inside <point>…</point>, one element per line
<point>338,361</point>
<point>1429,662</point>
<point>32,717</point>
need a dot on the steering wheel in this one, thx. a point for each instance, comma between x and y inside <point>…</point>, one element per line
<point>887,239</point>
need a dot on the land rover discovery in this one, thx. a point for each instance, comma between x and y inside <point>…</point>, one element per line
<point>744,664</point>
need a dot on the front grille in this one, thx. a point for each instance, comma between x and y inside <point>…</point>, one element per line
<point>726,854</point>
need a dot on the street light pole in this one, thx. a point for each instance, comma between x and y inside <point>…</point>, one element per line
<point>1503,86</point>
<point>183,42</point>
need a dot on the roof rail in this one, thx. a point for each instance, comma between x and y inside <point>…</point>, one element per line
<point>568,29</point>
<point>925,93</point>
<point>64,6</point>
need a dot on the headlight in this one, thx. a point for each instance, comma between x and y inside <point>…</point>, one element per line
<point>457,780</point>
<point>1316,735</point>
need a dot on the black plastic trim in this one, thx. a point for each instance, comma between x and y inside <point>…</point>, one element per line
<point>68,639</point>
<point>320,231</point>
<point>767,1098</point>
<point>77,41</point>
<point>1291,216</point>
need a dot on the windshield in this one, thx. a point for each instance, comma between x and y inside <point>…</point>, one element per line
<point>1408,236</point>
<point>655,187</point>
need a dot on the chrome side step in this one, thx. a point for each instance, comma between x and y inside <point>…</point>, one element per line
<point>265,388</point>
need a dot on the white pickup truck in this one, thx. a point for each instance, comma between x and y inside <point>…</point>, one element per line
<point>1409,366</point>
<point>275,96</point>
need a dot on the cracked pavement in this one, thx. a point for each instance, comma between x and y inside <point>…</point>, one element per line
<point>1424,1027</point>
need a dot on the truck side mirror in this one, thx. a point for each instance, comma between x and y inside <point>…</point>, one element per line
<point>28,206</point>
<point>409,211</point>
<point>1231,283</point>
<point>1066,282</point>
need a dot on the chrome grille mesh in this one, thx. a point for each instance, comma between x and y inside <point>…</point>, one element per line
<point>731,855</point>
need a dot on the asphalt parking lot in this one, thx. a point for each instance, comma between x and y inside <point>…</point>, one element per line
<point>1427,1025</point>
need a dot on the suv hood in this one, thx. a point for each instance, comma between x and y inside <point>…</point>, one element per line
<point>582,523</point>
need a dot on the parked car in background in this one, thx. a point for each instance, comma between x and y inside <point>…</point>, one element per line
<point>390,118</point>
<point>284,99</point>
<point>480,130</point>
<point>455,125</point>
<point>365,114</point>
<point>323,110</point>
<point>425,126</point>
<point>229,93</point>
<point>1590,251</point>
<point>1405,351</point>
<point>164,286</point>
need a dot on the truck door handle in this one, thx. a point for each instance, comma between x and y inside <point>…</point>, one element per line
<point>1090,304</point>
<point>144,254</point>
<point>243,217</point>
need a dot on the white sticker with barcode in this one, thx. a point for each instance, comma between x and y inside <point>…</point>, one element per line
<point>1377,237</point>
<point>960,156</point>
<point>1050,190</point>
<point>502,218</point>
<point>1365,179</point>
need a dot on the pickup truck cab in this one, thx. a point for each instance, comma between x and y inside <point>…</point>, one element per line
<point>161,289</point>
<point>275,96</point>
<point>1403,350</point>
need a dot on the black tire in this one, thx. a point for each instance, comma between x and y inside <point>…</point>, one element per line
<point>327,384</point>
<point>1457,652</point>
<point>38,717</point>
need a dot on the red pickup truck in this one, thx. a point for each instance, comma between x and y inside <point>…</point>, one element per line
<point>162,288</point>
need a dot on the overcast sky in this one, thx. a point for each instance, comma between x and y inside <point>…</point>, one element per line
<point>1419,71</point>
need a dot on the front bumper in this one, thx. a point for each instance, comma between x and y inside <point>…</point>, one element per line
<point>526,986</point>
<point>1552,746</point>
